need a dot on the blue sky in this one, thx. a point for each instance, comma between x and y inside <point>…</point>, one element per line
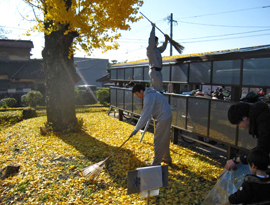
<point>202,26</point>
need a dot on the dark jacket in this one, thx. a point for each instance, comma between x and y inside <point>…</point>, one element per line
<point>253,190</point>
<point>259,127</point>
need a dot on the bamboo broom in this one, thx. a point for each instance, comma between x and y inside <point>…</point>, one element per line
<point>93,171</point>
<point>176,45</point>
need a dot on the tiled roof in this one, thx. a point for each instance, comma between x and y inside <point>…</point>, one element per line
<point>105,78</point>
<point>16,43</point>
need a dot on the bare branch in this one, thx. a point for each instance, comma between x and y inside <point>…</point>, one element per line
<point>33,8</point>
<point>31,4</point>
<point>36,15</point>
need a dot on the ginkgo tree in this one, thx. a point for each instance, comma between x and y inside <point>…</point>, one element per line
<point>69,25</point>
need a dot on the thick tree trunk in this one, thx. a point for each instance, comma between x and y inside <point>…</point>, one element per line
<point>61,78</point>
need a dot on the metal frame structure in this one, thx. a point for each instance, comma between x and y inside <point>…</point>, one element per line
<point>242,68</point>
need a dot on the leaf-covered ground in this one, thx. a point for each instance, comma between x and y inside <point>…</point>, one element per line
<point>50,171</point>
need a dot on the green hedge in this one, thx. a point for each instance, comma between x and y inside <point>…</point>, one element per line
<point>32,98</point>
<point>103,94</point>
<point>8,102</point>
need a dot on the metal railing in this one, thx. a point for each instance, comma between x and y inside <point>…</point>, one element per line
<point>200,116</point>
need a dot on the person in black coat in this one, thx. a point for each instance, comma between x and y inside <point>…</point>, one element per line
<point>256,118</point>
<point>256,186</point>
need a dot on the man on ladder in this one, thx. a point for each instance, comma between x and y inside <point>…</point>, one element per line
<point>155,59</point>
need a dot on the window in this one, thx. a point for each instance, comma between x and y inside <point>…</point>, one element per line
<point>200,72</point>
<point>128,74</point>
<point>113,74</point>
<point>180,73</point>
<point>166,73</point>
<point>226,72</point>
<point>121,73</point>
<point>256,72</point>
<point>138,73</point>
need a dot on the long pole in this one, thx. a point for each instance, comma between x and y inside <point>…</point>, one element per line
<point>115,151</point>
<point>151,22</point>
<point>176,45</point>
<point>171,35</point>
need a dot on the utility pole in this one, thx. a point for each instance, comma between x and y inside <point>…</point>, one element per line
<point>171,34</point>
<point>170,19</point>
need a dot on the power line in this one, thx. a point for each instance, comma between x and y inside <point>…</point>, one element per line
<point>127,40</point>
<point>211,40</point>
<point>128,52</point>
<point>226,38</point>
<point>224,25</point>
<point>231,34</point>
<point>261,7</point>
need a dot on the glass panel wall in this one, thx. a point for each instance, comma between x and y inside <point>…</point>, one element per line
<point>113,74</point>
<point>190,76</point>
<point>121,72</point>
<point>138,73</point>
<point>178,105</point>
<point>145,74</point>
<point>220,127</point>
<point>256,72</point>
<point>120,98</point>
<point>226,72</point>
<point>128,100</point>
<point>137,105</point>
<point>113,96</point>
<point>129,74</point>
<point>200,72</point>
<point>179,73</point>
<point>197,115</point>
<point>166,73</point>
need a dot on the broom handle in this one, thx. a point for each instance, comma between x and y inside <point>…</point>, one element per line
<point>115,151</point>
<point>176,45</point>
<point>151,22</point>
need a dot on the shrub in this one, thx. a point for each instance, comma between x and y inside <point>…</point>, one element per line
<point>84,97</point>
<point>32,98</point>
<point>103,94</point>
<point>23,100</point>
<point>8,102</point>
<point>76,95</point>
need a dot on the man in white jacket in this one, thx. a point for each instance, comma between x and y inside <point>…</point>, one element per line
<point>155,104</point>
<point>155,59</point>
